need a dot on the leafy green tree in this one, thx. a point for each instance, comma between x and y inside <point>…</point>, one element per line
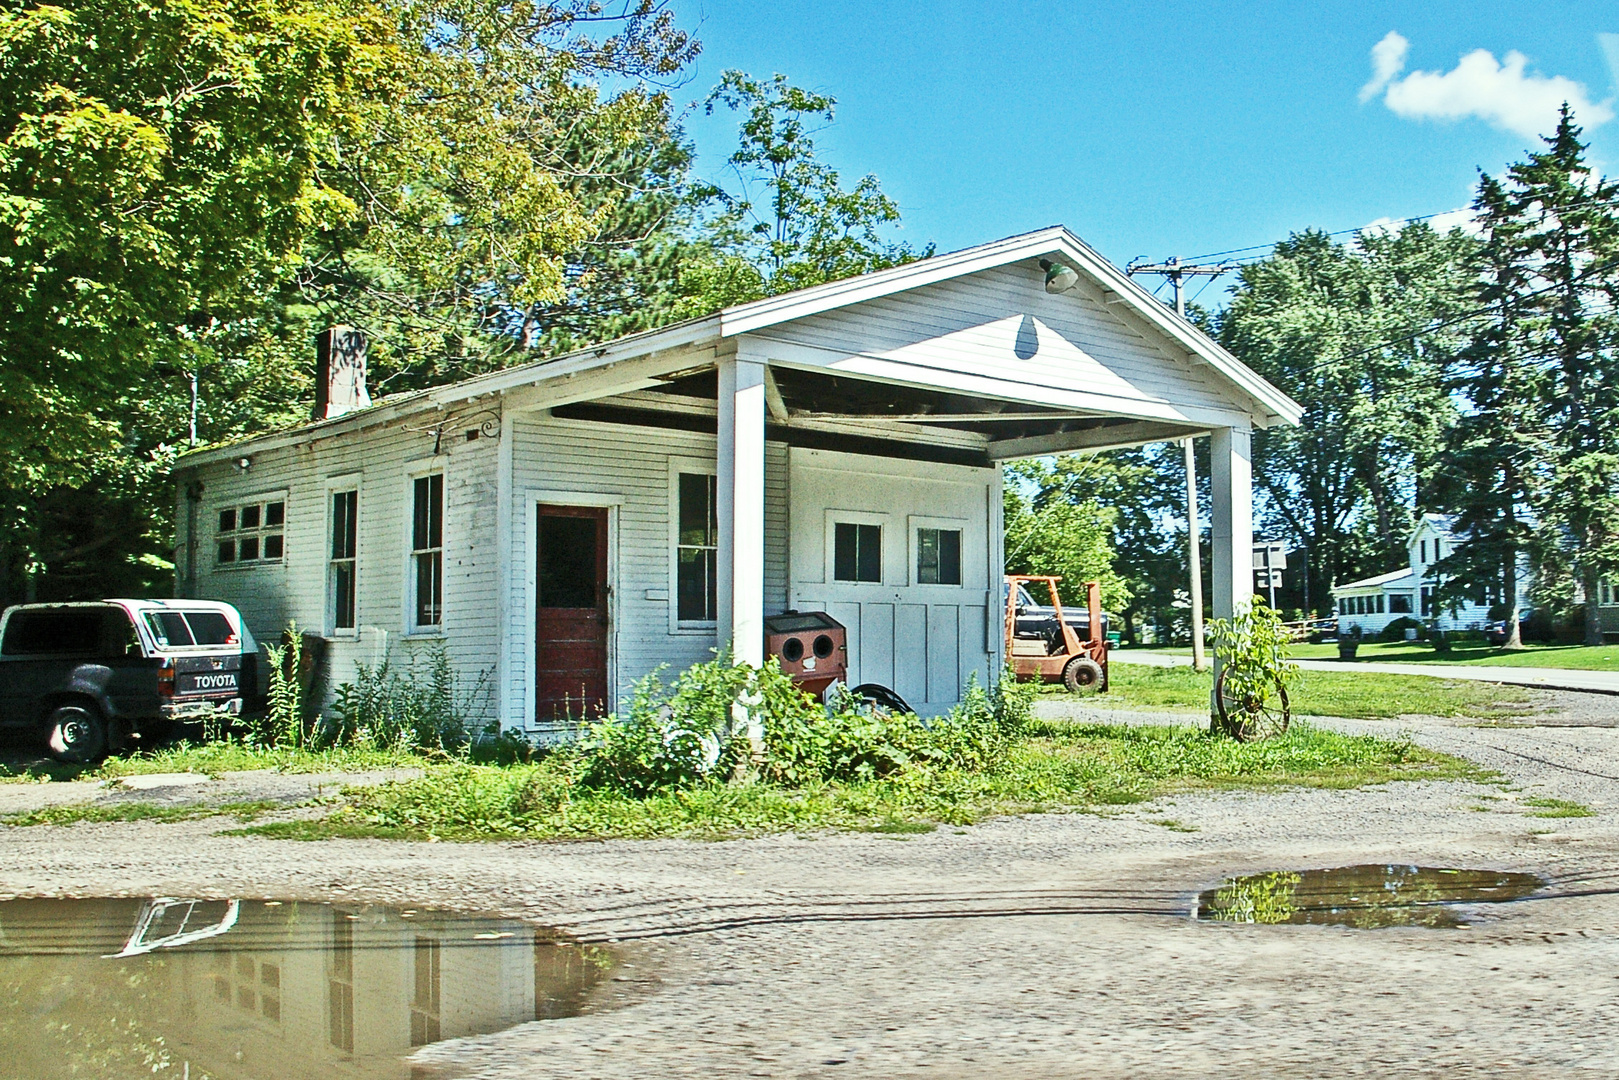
<point>1359,335</point>
<point>1548,373</point>
<point>1053,527</point>
<point>785,221</point>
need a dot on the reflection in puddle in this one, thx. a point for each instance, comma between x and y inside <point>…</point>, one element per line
<point>254,990</point>
<point>1365,897</point>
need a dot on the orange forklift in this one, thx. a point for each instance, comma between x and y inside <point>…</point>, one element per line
<point>1040,643</point>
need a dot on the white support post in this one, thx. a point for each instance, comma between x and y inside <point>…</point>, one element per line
<point>741,482</point>
<point>1231,456</point>
<point>1231,473</point>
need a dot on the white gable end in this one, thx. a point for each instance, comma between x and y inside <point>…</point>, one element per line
<point>998,333</point>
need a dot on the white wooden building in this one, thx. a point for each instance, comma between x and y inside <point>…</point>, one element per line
<point>1408,593</point>
<point>580,521</point>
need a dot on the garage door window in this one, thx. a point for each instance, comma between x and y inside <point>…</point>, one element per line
<point>857,552</point>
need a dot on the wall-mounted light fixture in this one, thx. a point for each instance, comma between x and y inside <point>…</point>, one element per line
<point>244,463</point>
<point>1059,278</point>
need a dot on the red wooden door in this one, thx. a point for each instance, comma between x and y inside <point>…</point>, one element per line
<point>570,617</point>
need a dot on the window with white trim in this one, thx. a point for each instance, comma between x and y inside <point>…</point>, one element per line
<point>340,578</point>
<point>697,547</point>
<point>427,550</point>
<point>252,533</point>
<point>857,552</point>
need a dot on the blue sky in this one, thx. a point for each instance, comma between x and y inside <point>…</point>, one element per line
<point>1159,129</point>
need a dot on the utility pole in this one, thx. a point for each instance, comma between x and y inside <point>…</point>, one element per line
<point>1175,271</point>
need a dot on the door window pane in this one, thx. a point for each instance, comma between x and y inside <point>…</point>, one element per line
<point>568,562</point>
<point>857,553</point>
<point>938,556</point>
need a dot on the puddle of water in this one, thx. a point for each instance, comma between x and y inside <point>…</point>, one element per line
<point>1364,897</point>
<point>255,990</point>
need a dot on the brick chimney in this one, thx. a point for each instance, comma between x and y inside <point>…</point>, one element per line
<point>339,372</point>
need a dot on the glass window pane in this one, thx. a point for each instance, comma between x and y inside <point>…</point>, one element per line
<point>275,513</point>
<point>949,556</point>
<point>435,510</point>
<point>927,556</point>
<point>696,510</point>
<point>568,563</point>
<point>428,589</point>
<point>248,550</point>
<point>250,517</point>
<point>418,530</point>
<point>227,551</point>
<point>343,595</point>
<point>844,540</point>
<point>870,553</point>
<point>695,585</point>
<point>210,628</point>
<point>227,520</point>
<point>273,546</point>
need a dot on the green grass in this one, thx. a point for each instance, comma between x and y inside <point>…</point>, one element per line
<point>1557,808</point>
<point>1565,657</point>
<point>1060,767</point>
<point>75,813</point>
<point>215,759</point>
<point>1365,695</point>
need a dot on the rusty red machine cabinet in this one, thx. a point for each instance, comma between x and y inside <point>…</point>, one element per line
<point>812,647</point>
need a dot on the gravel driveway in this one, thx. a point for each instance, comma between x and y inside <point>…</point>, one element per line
<point>1042,946</point>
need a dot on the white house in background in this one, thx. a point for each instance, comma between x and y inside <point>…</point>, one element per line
<point>565,527</point>
<point>1373,603</point>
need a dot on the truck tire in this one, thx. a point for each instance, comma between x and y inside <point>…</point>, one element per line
<point>77,734</point>
<point>1082,673</point>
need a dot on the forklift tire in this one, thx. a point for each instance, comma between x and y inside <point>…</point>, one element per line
<point>1081,674</point>
<point>77,734</point>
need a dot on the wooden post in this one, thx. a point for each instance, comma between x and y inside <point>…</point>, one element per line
<point>741,468</point>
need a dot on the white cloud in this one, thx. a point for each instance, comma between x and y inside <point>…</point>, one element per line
<point>1388,60</point>
<point>1610,49</point>
<point>1503,93</point>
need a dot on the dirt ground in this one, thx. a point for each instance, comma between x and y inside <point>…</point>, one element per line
<point>1043,946</point>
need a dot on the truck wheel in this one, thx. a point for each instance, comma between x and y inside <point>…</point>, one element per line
<point>1082,673</point>
<point>78,734</point>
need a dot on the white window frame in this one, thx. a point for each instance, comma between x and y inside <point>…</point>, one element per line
<point>834,518</point>
<point>261,499</point>
<point>913,552</point>
<point>417,470</point>
<point>698,466</point>
<point>336,485</point>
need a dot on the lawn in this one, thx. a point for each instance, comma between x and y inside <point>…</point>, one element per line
<point>1566,657</point>
<point>1055,768</point>
<point>1362,694</point>
<point>214,759</point>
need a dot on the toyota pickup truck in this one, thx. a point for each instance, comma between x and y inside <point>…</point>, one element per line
<point>88,676</point>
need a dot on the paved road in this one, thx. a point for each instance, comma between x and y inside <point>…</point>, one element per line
<point>1591,682</point>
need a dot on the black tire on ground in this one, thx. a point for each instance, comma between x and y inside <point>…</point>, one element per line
<point>77,734</point>
<point>1082,673</point>
<point>882,697</point>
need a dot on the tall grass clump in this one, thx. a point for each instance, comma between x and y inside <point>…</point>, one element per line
<point>420,705</point>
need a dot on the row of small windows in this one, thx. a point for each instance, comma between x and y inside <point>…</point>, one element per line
<point>1398,604</point>
<point>255,533</point>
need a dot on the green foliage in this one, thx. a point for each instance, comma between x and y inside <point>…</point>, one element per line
<point>282,724</point>
<point>697,731</point>
<point>1252,653</point>
<point>1056,525</point>
<point>1258,898</point>
<point>419,707</point>
<point>1051,767</point>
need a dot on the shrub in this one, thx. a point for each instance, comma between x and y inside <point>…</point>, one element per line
<point>1395,631</point>
<point>696,731</point>
<point>419,707</point>
<point>1252,650</point>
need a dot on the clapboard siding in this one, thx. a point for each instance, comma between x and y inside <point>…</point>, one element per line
<point>960,325</point>
<point>379,463</point>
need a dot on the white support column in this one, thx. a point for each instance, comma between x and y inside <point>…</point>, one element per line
<point>1231,457</point>
<point>741,584</point>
